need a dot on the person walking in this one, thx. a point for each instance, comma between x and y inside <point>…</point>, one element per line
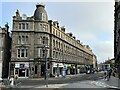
<point>105,74</point>
<point>110,72</point>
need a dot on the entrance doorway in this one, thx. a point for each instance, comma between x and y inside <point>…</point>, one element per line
<point>23,72</point>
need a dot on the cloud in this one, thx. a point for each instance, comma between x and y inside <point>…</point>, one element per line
<point>104,49</point>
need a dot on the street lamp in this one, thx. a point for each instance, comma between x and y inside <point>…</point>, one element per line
<point>44,47</point>
<point>46,65</point>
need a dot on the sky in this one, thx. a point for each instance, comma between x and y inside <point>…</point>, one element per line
<point>90,21</point>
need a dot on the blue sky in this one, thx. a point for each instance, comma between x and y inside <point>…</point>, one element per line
<point>91,22</point>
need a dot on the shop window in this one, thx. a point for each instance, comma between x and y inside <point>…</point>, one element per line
<point>22,65</point>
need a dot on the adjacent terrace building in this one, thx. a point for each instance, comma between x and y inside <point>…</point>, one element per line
<point>117,35</point>
<point>30,36</point>
<point>5,54</point>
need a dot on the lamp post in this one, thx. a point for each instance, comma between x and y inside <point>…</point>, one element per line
<point>44,47</point>
<point>46,66</point>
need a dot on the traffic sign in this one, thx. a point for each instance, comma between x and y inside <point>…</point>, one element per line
<point>65,67</point>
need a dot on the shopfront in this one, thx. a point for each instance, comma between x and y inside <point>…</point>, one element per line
<point>57,69</point>
<point>21,70</point>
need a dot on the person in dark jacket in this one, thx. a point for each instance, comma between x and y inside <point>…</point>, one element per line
<point>110,72</point>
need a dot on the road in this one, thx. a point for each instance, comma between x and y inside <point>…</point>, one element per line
<point>61,82</point>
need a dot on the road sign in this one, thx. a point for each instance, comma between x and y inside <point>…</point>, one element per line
<point>65,67</point>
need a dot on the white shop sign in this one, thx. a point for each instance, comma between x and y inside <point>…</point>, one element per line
<point>17,65</point>
<point>58,65</point>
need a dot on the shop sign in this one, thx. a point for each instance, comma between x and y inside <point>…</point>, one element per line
<point>26,64</point>
<point>78,65</point>
<point>73,67</point>
<point>17,65</point>
<point>58,65</point>
<point>22,65</point>
<point>65,67</point>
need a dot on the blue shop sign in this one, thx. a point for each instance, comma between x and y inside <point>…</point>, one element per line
<point>65,67</point>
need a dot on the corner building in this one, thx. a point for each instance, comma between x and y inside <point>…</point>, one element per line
<point>30,35</point>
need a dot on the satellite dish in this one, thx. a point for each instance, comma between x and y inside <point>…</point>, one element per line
<point>24,16</point>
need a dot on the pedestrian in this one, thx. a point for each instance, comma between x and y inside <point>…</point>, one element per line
<point>105,74</point>
<point>110,72</point>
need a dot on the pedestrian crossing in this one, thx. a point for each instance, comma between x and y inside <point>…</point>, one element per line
<point>102,84</point>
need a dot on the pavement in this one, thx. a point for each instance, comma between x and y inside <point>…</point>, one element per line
<point>60,77</point>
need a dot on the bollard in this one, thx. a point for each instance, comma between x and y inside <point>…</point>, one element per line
<point>12,82</point>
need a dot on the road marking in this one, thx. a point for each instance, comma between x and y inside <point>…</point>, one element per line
<point>52,86</point>
<point>102,84</point>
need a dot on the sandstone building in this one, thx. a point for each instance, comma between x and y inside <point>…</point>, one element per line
<point>30,36</point>
<point>5,54</point>
<point>117,35</point>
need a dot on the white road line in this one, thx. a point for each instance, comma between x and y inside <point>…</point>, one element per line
<point>102,84</point>
<point>52,86</point>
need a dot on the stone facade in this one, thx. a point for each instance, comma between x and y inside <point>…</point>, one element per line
<point>30,35</point>
<point>117,35</point>
<point>5,47</point>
